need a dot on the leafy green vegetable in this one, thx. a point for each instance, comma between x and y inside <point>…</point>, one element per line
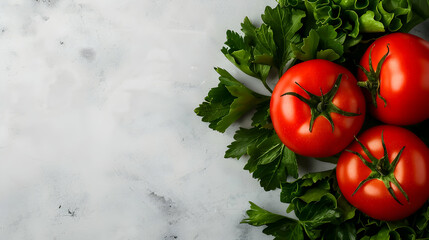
<point>420,9</point>
<point>420,12</point>
<point>226,103</point>
<point>343,231</point>
<point>281,227</point>
<point>358,19</point>
<point>260,217</point>
<point>266,46</point>
<point>245,139</point>
<point>314,206</point>
<point>321,43</point>
<point>261,118</point>
<point>285,22</point>
<point>243,52</point>
<point>294,31</point>
<point>322,213</point>
<point>270,161</point>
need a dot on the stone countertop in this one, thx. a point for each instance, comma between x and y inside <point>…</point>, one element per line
<point>98,139</point>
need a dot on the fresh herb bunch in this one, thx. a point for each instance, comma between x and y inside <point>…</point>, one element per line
<point>292,32</point>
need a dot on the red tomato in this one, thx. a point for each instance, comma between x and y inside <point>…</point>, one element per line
<point>306,123</point>
<point>403,79</point>
<point>411,172</point>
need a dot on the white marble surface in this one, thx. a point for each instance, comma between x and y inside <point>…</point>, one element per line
<point>98,139</point>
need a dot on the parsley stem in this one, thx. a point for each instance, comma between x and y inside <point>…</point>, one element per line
<point>266,86</point>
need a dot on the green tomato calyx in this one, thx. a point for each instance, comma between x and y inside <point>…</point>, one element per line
<point>381,169</point>
<point>373,82</point>
<point>322,105</point>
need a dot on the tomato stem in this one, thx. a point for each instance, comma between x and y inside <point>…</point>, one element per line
<point>381,169</point>
<point>373,76</point>
<point>322,105</point>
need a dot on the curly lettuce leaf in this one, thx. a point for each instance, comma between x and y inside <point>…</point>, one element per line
<point>353,4</point>
<point>395,13</point>
<point>367,23</point>
<point>351,23</point>
<point>321,43</point>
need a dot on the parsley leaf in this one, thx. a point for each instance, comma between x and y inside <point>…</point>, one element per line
<point>245,139</point>
<point>266,46</point>
<point>227,102</point>
<point>285,23</point>
<point>262,39</point>
<point>281,227</point>
<point>252,54</point>
<point>260,217</point>
<point>310,187</point>
<point>239,53</point>
<point>261,118</point>
<point>344,231</point>
<point>423,219</point>
<point>271,162</point>
<point>314,214</point>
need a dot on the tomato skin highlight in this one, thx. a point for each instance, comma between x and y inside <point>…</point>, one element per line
<point>291,116</point>
<point>404,78</point>
<point>412,173</point>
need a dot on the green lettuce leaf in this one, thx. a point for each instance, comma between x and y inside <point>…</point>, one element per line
<point>321,43</point>
<point>395,13</point>
<point>368,23</point>
<point>353,4</point>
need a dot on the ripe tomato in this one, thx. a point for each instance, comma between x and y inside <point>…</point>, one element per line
<point>399,160</point>
<point>316,108</point>
<point>402,79</point>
